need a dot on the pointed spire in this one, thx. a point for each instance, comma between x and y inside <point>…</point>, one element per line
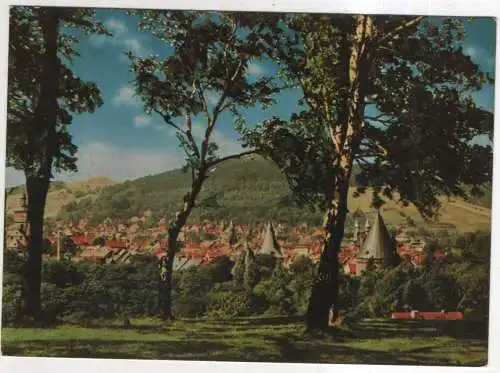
<point>378,243</point>
<point>270,245</point>
<point>356,231</point>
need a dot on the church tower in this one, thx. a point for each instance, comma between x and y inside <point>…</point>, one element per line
<point>21,215</point>
<point>17,235</point>
<point>355,236</point>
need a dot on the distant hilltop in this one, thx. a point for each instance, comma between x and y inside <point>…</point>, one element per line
<point>93,182</point>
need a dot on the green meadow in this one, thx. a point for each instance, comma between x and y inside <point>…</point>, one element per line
<point>277,339</point>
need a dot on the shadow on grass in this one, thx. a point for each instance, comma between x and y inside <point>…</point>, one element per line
<point>215,351</point>
<point>202,340</point>
<point>119,349</point>
<point>352,355</point>
<point>459,329</point>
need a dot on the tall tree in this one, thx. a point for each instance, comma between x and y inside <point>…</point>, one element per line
<point>43,95</point>
<point>391,94</point>
<point>209,60</point>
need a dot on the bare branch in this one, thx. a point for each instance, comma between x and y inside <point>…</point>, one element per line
<point>218,107</point>
<point>394,33</point>
<point>202,99</point>
<point>234,156</point>
<point>168,121</point>
<point>189,134</point>
<point>386,122</point>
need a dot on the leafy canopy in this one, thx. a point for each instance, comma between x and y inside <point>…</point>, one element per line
<point>26,139</point>
<point>205,72</point>
<point>419,119</point>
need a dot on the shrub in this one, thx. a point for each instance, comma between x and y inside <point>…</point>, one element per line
<point>11,303</point>
<point>227,305</point>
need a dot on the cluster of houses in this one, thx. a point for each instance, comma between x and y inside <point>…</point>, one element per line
<point>111,243</point>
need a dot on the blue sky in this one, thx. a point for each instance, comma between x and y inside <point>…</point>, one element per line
<point>120,141</point>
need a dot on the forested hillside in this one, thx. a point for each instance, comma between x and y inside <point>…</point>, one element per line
<point>246,190</point>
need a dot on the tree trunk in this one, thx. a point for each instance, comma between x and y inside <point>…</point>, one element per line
<point>346,135</point>
<point>324,301</point>
<point>37,193</point>
<point>166,285</point>
<point>44,144</point>
<point>173,234</point>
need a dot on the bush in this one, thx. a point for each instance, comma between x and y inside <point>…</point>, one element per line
<point>227,305</point>
<point>54,301</point>
<point>11,303</point>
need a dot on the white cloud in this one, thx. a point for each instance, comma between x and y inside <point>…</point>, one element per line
<point>254,69</point>
<point>125,96</point>
<point>161,127</point>
<point>115,26</point>
<point>470,51</point>
<point>101,159</point>
<point>122,37</point>
<point>142,121</point>
<point>13,177</point>
<point>227,146</point>
<point>98,40</point>
<point>480,56</point>
<point>133,44</point>
<point>212,98</point>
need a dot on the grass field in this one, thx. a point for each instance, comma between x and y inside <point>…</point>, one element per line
<point>277,339</point>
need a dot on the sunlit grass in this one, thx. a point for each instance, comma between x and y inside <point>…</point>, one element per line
<point>254,339</point>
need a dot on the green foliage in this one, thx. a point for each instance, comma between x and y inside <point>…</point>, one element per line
<point>99,241</point>
<point>227,305</point>
<point>302,272</point>
<point>419,108</point>
<point>27,46</point>
<point>11,303</point>
<point>83,291</point>
<point>276,289</point>
<point>194,285</point>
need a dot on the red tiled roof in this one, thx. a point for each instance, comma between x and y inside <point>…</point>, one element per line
<point>417,260</point>
<point>82,240</point>
<point>352,268</point>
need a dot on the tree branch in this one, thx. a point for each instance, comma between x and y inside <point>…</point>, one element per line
<point>386,122</point>
<point>189,135</point>
<point>202,99</point>
<point>234,156</point>
<point>394,33</point>
<point>168,121</point>
<point>217,108</point>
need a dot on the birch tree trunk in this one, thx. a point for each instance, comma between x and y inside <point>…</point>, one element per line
<point>345,135</point>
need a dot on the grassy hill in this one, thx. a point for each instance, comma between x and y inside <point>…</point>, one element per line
<point>61,193</point>
<point>246,190</point>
